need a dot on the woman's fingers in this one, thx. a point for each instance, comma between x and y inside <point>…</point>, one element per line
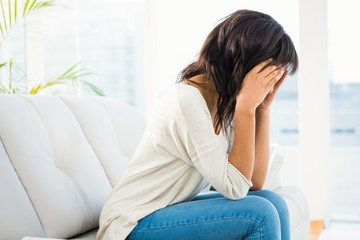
<point>275,77</point>
<point>260,82</point>
<point>269,72</point>
<point>264,70</point>
<point>258,68</point>
<point>281,80</point>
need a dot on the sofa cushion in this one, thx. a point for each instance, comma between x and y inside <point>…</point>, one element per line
<point>60,158</point>
<point>298,210</point>
<point>16,207</point>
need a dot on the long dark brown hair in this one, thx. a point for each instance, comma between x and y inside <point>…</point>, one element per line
<point>235,46</point>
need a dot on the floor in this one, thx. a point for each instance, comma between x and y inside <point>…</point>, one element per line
<point>336,231</point>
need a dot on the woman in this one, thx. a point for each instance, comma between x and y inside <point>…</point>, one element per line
<point>211,129</point>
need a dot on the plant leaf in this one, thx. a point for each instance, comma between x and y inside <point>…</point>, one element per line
<point>93,88</point>
<point>70,76</point>
<point>15,11</point>
<point>35,89</point>
<point>1,30</point>
<point>68,71</point>
<point>3,89</point>
<point>38,87</point>
<point>43,4</point>
<point>9,8</point>
<point>32,5</point>
<point>25,6</point>
<point>3,13</point>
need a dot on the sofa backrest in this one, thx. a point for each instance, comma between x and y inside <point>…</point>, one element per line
<point>60,156</point>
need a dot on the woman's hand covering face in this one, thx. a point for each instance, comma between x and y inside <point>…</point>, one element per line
<point>260,86</point>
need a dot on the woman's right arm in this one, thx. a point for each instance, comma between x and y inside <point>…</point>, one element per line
<point>256,85</point>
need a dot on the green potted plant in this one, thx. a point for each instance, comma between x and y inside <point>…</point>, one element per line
<point>11,13</point>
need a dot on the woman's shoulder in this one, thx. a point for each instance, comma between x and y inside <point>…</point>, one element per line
<point>187,96</point>
<point>181,100</point>
<point>183,90</point>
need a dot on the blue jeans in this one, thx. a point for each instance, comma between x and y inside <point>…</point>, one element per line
<point>261,215</point>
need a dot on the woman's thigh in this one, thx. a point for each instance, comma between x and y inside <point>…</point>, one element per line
<point>274,198</point>
<point>214,217</point>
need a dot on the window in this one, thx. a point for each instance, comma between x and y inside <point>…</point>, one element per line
<point>106,38</point>
<point>344,51</point>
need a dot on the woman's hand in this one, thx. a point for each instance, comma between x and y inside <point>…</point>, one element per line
<point>258,85</point>
<point>265,105</point>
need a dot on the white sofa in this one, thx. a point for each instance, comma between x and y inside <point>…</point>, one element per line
<point>61,155</point>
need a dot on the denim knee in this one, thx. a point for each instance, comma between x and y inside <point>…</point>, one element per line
<point>267,217</point>
<point>275,199</point>
<point>281,207</point>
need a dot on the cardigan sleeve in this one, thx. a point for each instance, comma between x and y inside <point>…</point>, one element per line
<point>206,150</point>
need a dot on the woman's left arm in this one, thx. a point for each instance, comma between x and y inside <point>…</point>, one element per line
<point>261,148</point>
<point>262,136</point>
